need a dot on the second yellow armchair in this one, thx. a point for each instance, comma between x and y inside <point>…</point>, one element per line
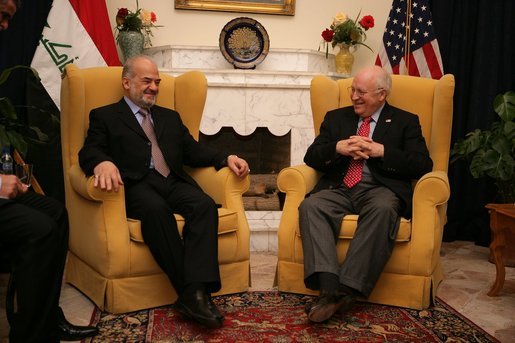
<point>412,274</point>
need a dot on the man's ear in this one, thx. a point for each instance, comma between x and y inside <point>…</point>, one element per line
<point>125,83</point>
<point>383,95</point>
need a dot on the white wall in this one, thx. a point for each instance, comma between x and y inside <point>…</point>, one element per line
<point>301,31</point>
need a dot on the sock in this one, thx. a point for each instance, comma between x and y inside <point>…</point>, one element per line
<point>329,282</point>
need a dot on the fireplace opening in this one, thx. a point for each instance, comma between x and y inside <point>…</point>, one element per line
<point>266,154</point>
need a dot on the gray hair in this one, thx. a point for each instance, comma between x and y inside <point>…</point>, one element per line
<point>384,81</point>
<point>128,65</point>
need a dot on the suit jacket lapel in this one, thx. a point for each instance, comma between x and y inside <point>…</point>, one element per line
<point>128,118</point>
<point>350,124</point>
<point>383,123</point>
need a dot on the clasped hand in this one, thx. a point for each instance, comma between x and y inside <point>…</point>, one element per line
<point>12,187</point>
<point>359,147</point>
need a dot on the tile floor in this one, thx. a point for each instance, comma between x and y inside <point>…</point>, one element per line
<point>468,277</point>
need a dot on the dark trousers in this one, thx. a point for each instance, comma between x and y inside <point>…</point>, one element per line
<point>34,234</point>
<point>320,217</point>
<point>192,259</point>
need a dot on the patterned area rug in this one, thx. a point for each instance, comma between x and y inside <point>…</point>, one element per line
<point>279,317</point>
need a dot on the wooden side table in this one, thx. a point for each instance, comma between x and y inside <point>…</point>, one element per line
<point>502,224</point>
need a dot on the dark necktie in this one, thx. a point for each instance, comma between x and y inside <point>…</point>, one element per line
<point>355,170</point>
<point>157,155</point>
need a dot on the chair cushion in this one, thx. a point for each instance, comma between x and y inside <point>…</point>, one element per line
<point>227,222</point>
<point>350,222</point>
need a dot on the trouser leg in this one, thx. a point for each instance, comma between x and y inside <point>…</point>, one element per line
<point>320,217</point>
<point>374,239</point>
<point>34,229</point>
<point>192,258</point>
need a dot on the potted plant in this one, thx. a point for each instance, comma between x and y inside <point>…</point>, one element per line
<point>14,131</point>
<point>492,152</point>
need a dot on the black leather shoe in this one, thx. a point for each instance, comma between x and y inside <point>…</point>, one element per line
<point>69,332</point>
<point>327,305</point>
<point>196,305</point>
<point>214,309</point>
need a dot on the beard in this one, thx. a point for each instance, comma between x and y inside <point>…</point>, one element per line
<point>145,99</point>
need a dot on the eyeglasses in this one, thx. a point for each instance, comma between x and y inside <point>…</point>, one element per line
<point>361,93</point>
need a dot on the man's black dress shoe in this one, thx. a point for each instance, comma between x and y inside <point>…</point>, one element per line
<point>69,332</point>
<point>214,309</point>
<point>327,305</point>
<point>196,305</point>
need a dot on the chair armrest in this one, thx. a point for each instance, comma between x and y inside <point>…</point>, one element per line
<point>84,186</point>
<point>299,180</point>
<point>296,182</point>
<point>226,189</point>
<point>99,230</point>
<point>223,186</point>
<point>430,197</point>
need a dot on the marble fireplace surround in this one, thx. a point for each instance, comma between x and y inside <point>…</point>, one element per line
<point>274,95</point>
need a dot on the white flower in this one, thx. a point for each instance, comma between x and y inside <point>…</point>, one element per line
<point>340,18</point>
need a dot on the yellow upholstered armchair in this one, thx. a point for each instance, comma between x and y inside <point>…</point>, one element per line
<point>412,274</point>
<point>108,260</point>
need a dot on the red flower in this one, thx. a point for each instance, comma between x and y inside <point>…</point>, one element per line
<point>153,17</point>
<point>122,13</point>
<point>367,22</point>
<point>328,35</point>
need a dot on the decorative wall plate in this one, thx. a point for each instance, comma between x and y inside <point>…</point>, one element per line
<point>244,43</point>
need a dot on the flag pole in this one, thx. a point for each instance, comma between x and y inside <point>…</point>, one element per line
<point>407,45</point>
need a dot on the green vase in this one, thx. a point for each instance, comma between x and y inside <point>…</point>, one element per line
<point>131,43</point>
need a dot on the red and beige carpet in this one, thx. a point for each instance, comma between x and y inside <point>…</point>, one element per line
<point>279,317</point>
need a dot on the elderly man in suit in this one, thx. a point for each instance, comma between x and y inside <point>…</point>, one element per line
<point>369,153</point>
<point>144,147</point>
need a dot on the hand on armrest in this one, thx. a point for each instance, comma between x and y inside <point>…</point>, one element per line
<point>84,186</point>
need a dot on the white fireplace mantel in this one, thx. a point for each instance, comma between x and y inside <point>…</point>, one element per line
<point>274,95</point>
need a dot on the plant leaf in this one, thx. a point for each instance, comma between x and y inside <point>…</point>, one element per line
<point>504,106</point>
<point>17,141</point>
<point>7,109</point>
<point>7,72</point>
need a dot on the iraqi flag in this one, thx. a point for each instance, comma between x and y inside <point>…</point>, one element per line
<point>79,32</point>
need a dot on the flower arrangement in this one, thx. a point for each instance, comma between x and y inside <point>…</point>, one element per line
<point>346,31</point>
<point>140,20</point>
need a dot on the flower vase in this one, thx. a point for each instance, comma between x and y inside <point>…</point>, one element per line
<point>131,43</point>
<point>344,60</point>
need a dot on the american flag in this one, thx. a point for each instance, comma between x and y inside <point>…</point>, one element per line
<point>409,42</point>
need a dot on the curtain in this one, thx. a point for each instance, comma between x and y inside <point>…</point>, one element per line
<point>477,44</point>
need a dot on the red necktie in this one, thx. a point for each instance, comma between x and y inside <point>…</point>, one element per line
<point>355,170</point>
<point>157,155</point>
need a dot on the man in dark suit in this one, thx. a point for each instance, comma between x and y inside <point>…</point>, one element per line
<point>369,153</point>
<point>34,238</point>
<point>144,147</point>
